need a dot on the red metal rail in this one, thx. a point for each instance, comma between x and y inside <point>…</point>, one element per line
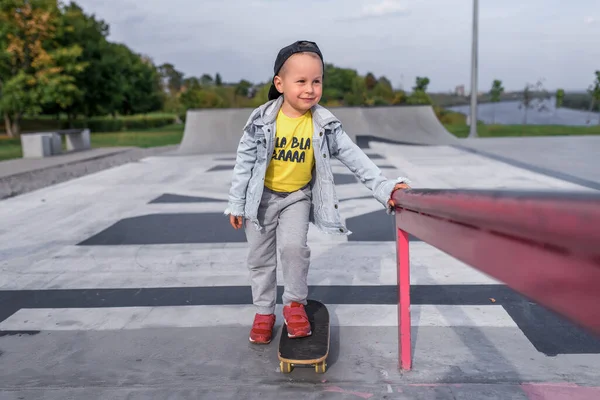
<point>543,245</point>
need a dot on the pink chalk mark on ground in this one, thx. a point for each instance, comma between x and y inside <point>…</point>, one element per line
<point>337,389</point>
<point>560,391</point>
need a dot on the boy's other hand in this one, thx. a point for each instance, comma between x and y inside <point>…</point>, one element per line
<point>398,186</point>
<point>236,221</point>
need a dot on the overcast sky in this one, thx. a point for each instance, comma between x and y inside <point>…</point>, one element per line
<point>519,41</point>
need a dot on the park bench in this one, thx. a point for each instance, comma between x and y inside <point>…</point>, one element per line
<point>46,144</point>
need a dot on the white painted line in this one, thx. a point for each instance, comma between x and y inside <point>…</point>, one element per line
<point>225,265</point>
<point>223,316</point>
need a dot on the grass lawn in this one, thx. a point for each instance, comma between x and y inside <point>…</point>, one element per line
<point>156,137</point>
<point>165,136</point>
<point>9,148</point>
<point>462,130</point>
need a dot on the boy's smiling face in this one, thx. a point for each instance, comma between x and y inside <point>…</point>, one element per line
<point>301,82</point>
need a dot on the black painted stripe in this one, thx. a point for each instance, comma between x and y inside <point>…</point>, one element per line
<point>376,226</point>
<point>168,229</point>
<point>18,333</point>
<point>344,179</point>
<point>221,168</point>
<point>362,141</point>
<point>176,198</point>
<point>548,333</point>
<point>358,198</point>
<point>177,228</point>
<point>239,295</point>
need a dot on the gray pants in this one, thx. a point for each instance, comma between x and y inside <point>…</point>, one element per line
<point>285,220</point>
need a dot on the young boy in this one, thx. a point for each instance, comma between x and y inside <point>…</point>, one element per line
<point>283,180</point>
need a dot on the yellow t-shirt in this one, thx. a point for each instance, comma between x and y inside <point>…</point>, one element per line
<point>293,158</point>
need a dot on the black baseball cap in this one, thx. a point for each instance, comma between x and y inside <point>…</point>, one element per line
<point>285,53</point>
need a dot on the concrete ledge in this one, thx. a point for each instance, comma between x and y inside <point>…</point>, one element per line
<point>78,140</point>
<point>46,144</point>
<point>22,175</point>
<point>37,145</point>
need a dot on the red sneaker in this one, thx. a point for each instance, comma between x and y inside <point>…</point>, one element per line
<point>296,320</point>
<point>262,328</point>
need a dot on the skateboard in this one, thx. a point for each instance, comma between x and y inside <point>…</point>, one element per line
<point>307,351</point>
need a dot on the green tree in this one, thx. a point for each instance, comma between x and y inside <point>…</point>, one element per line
<point>218,80</point>
<point>201,98</point>
<point>421,84</point>
<point>172,84</point>
<point>495,93</point>
<point>34,71</point>
<point>206,80</point>
<point>191,83</point>
<point>419,95</point>
<point>526,102</point>
<point>534,96</point>
<point>370,81</point>
<point>139,82</point>
<point>399,97</point>
<point>560,98</point>
<point>339,80</point>
<point>261,96</point>
<point>357,96</point>
<point>172,77</point>
<point>383,89</point>
<point>242,88</point>
<point>118,80</point>
<point>99,80</point>
<point>594,91</point>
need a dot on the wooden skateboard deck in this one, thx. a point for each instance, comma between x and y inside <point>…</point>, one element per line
<point>310,350</point>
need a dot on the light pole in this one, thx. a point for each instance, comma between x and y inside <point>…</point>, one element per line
<point>473,114</point>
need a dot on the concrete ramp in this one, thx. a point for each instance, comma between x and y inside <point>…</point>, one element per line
<point>406,125</point>
<point>213,131</point>
<point>354,120</point>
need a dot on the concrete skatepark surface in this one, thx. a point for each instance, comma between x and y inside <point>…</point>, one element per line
<point>572,158</point>
<point>130,283</point>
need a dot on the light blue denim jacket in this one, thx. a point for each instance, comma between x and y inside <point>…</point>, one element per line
<point>329,140</point>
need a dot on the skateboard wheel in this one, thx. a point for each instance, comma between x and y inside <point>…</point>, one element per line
<point>320,367</point>
<point>286,368</point>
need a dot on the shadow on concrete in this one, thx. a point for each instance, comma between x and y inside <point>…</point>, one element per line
<point>168,229</point>
<point>176,198</point>
<point>221,168</point>
<point>344,179</point>
<point>376,226</point>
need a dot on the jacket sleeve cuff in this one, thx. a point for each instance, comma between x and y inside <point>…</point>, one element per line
<point>384,193</point>
<point>235,209</point>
